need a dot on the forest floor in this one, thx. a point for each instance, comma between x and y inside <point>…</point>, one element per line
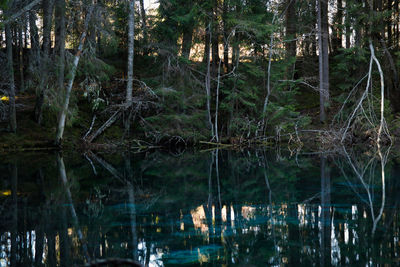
<point>31,136</point>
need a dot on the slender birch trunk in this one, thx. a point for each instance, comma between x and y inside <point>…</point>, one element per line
<point>208,80</point>
<point>131,39</point>
<point>64,110</point>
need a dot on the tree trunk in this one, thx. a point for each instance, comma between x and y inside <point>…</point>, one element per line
<point>323,43</point>
<point>131,38</point>
<point>314,36</point>
<point>337,28</point>
<point>47,6</point>
<point>21,59</point>
<point>187,41</point>
<point>59,46</point>
<point>215,38</point>
<point>290,44</point>
<point>208,78</point>
<point>348,27</point>
<point>47,21</point>
<point>34,36</point>
<point>226,34</point>
<point>389,24</point>
<point>10,70</point>
<point>144,28</point>
<point>206,53</point>
<point>64,110</point>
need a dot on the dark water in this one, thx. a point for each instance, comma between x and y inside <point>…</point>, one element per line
<point>219,208</point>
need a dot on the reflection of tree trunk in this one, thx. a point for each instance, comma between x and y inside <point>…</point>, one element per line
<point>64,179</point>
<point>39,231</point>
<point>132,207</point>
<point>64,240</point>
<point>147,260</point>
<point>294,256</point>
<point>218,208</point>
<point>325,219</point>
<point>51,239</point>
<point>14,197</point>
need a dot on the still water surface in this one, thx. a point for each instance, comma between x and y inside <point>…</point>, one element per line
<point>215,208</point>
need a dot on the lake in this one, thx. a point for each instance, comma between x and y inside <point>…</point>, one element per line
<point>271,207</point>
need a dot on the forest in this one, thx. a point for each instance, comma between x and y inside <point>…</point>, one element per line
<point>100,73</point>
<point>199,133</point>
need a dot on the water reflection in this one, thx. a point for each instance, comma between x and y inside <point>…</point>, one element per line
<point>248,208</point>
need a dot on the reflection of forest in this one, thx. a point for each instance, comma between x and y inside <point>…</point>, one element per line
<point>218,208</point>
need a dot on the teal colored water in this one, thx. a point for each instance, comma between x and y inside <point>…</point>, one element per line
<point>213,208</point>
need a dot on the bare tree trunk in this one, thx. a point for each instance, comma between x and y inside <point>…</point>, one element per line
<point>44,64</point>
<point>207,45</point>
<point>347,22</point>
<point>389,24</point>
<point>208,80</point>
<point>35,50</point>
<point>215,38</point>
<point>290,44</point>
<point>226,34</point>
<point>64,110</point>
<point>337,27</point>
<point>21,59</point>
<point>144,28</point>
<point>47,21</point>
<point>131,39</point>
<point>323,43</point>
<point>314,36</point>
<point>10,70</point>
<point>60,41</point>
<point>187,40</point>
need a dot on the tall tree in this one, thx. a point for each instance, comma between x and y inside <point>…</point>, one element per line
<point>323,51</point>
<point>59,46</point>
<point>187,24</point>
<point>63,113</point>
<point>290,44</point>
<point>10,71</point>
<point>131,39</point>
<point>337,27</point>
<point>47,22</point>
<point>144,27</point>
<point>47,6</point>
<point>215,36</point>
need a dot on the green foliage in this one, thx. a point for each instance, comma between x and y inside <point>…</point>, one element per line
<point>348,67</point>
<point>93,73</point>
